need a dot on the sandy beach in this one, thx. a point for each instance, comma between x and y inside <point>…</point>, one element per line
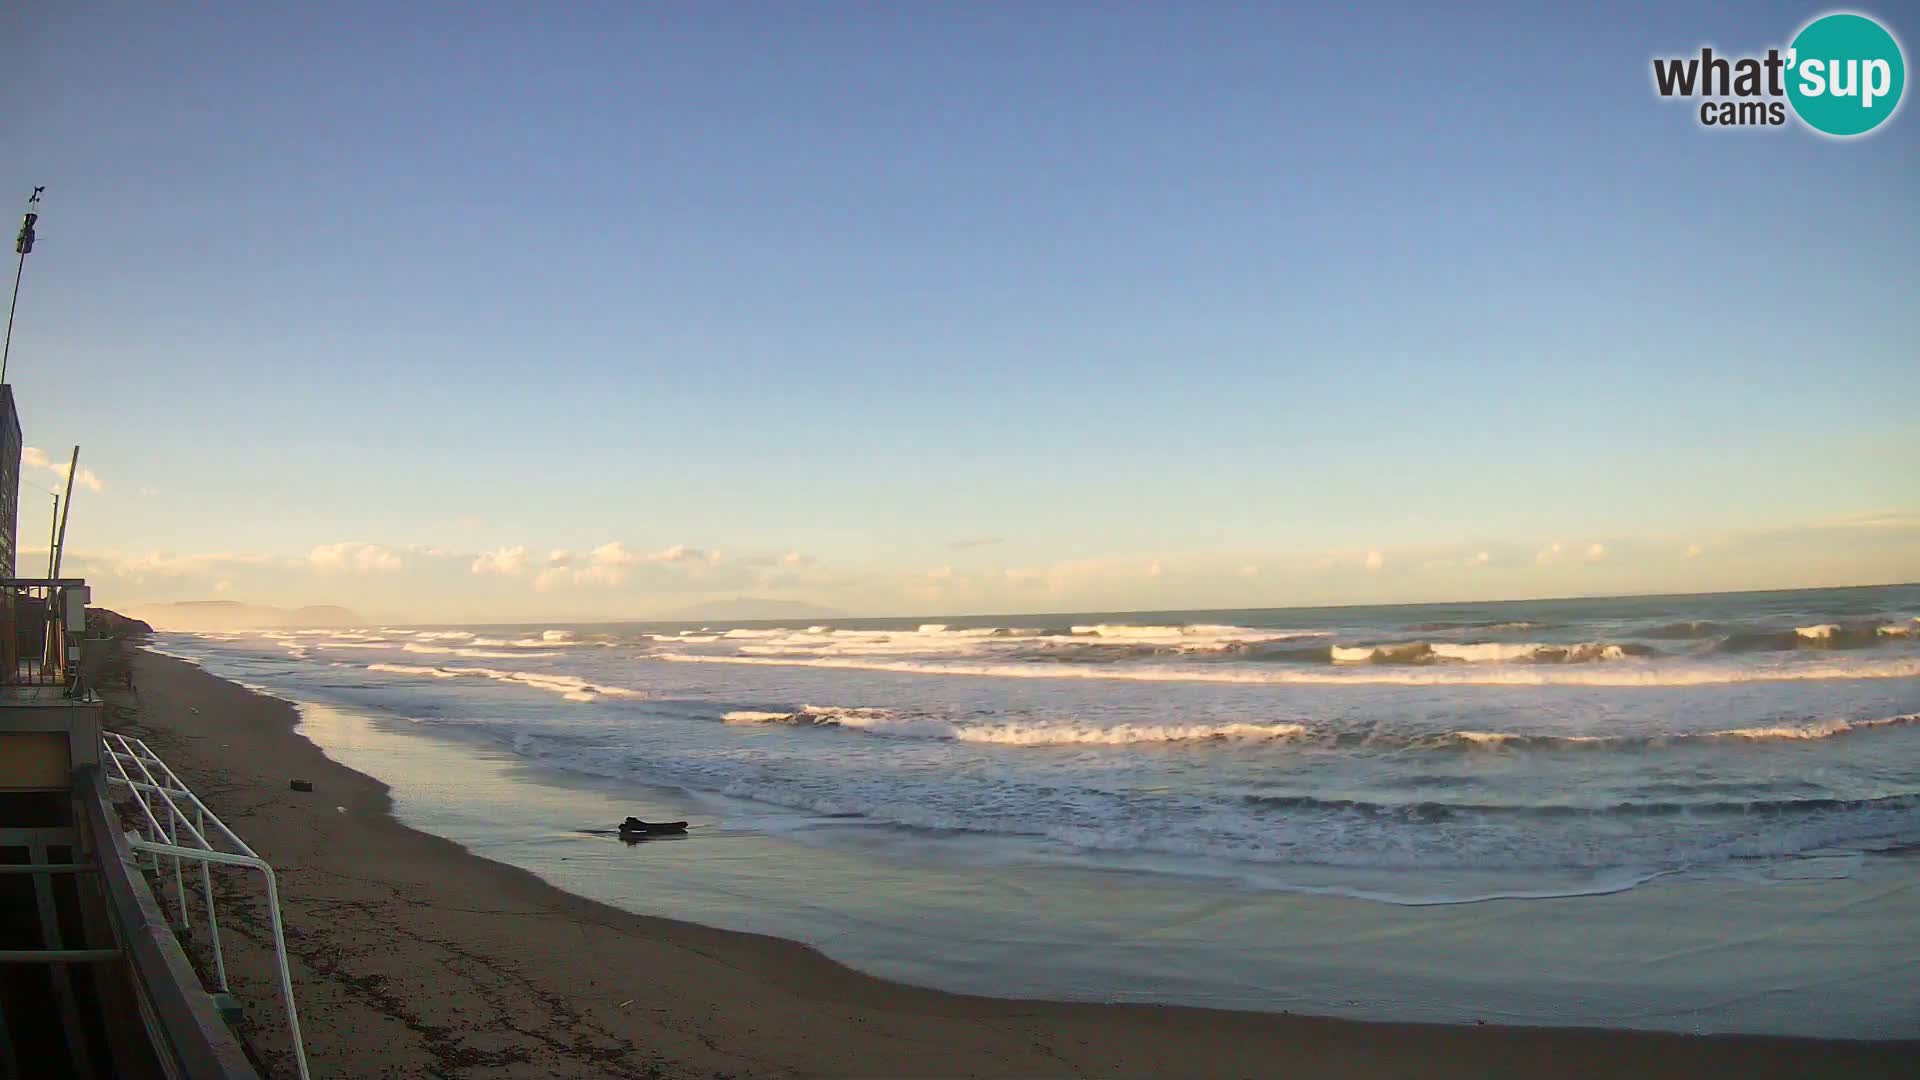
<point>414,957</point>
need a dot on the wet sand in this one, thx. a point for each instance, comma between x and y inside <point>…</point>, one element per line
<point>414,957</point>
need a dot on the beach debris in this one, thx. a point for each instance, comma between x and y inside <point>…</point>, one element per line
<point>633,826</point>
<point>300,785</point>
<point>624,1004</point>
<point>340,809</point>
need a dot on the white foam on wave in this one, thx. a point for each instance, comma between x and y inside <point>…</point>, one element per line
<point>1818,729</point>
<point>1479,652</point>
<point>478,654</point>
<point>755,716</point>
<point>1013,733</point>
<point>570,687</point>
<point>1195,636</point>
<point>1486,652</point>
<point>1825,729</point>
<point>941,640</point>
<point>1617,675</point>
<point>1506,738</point>
<point>1822,632</point>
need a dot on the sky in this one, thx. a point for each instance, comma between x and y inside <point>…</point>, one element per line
<point>502,311</point>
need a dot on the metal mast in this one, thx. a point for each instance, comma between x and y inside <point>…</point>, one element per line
<point>23,244</point>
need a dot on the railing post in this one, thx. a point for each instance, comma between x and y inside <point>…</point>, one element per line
<point>213,917</point>
<point>179,886</point>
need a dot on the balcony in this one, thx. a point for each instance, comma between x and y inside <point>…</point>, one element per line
<point>42,647</point>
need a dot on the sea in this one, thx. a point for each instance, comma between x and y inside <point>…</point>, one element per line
<point>1344,773</point>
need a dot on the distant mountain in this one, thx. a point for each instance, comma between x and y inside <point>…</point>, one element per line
<point>324,615</point>
<point>750,609</point>
<point>233,615</point>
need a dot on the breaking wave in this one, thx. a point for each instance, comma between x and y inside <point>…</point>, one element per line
<point>884,722</point>
<point>1485,652</point>
<point>477,654</point>
<point>571,687</point>
<point>1538,674</point>
<point>1824,729</point>
<point>1442,811</point>
<point>877,721</point>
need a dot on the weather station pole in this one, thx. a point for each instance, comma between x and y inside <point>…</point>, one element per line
<point>23,244</point>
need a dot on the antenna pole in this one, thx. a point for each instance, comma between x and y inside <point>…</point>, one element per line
<point>53,523</point>
<point>22,244</point>
<point>60,538</point>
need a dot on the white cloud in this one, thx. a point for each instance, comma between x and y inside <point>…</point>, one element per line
<point>1871,520</point>
<point>1550,554</point>
<point>795,558</point>
<point>223,586</point>
<point>157,564</point>
<point>506,561</point>
<point>353,558</point>
<point>1596,552</point>
<point>611,564</point>
<point>976,542</point>
<point>1154,570</point>
<point>1693,551</point>
<point>1375,560</point>
<point>681,553</point>
<point>32,457</point>
<point>607,574</point>
<point>1480,558</point>
<point>1250,570</point>
<point>612,553</point>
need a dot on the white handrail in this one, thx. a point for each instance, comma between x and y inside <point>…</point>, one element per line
<point>168,840</point>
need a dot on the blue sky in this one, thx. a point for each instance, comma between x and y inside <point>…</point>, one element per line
<point>1177,305</point>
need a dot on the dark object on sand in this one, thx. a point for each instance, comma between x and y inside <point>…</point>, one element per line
<point>633,826</point>
<point>300,785</point>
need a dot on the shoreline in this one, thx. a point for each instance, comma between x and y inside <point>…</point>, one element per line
<point>415,956</point>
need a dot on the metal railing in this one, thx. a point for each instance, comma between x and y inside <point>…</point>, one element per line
<point>176,830</point>
<point>45,625</point>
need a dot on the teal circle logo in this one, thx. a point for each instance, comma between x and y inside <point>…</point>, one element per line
<point>1845,73</point>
